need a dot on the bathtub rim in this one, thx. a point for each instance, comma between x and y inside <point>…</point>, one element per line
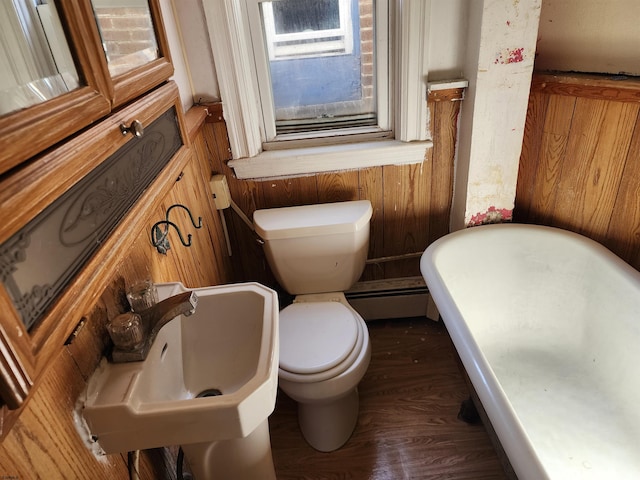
<point>501,414</point>
<point>504,420</point>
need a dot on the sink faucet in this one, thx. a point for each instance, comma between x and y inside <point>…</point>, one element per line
<point>134,333</point>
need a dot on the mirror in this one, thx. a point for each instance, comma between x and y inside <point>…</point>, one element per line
<point>35,61</point>
<point>127,33</point>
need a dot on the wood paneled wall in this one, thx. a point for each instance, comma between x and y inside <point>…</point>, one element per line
<point>580,163</point>
<point>44,442</point>
<point>579,170</point>
<point>411,209</point>
<point>411,203</point>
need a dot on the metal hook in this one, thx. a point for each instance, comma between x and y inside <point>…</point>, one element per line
<point>193,222</point>
<point>159,237</point>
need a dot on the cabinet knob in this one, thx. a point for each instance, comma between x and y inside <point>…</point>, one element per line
<point>136,129</point>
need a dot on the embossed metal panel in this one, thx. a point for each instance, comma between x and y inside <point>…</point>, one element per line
<point>43,257</point>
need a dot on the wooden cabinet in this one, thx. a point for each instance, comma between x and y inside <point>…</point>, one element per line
<point>30,130</point>
<point>82,178</point>
<point>65,180</point>
<point>44,442</point>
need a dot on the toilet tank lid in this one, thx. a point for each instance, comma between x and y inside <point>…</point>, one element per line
<point>307,220</point>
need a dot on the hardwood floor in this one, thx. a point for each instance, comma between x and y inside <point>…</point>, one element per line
<point>408,426</point>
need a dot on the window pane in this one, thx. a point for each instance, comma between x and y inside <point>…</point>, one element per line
<point>292,16</point>
<point>321,60</point>
<point>127,33</point>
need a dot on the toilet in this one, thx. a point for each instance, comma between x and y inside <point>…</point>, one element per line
<point>316,252</point>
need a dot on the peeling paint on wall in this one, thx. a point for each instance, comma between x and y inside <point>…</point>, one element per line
<point>510,55</point>
<point>492,215</point>
<point>499,64</point>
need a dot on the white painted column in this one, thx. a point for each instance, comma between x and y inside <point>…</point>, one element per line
<point>499,63</point>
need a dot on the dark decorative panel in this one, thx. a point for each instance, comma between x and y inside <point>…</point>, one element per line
<point>39,261</point>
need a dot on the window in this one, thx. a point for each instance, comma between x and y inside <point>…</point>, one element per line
<point>307,28</point>
<point>301,77</point>
<point>316,68</point>
<point>320,76</point>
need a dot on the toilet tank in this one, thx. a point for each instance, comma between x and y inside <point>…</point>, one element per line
<point>316,248</point>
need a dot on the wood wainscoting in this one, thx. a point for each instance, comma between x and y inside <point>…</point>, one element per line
<point>580,162</point>
<point>411,203</point>
<point>44,441</point>
<point>411,209</point>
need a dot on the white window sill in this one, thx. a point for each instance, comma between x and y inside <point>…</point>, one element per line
<point>307,161</point>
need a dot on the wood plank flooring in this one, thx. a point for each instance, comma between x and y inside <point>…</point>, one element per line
<point>408,426</point>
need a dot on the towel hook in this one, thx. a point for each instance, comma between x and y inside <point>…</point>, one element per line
<point>193,222</point>
<point>159,237</point>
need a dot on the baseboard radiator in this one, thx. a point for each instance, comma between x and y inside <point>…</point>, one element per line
<point>392,298</point>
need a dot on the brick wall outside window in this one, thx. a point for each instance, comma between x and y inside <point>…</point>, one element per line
<point>366,47</point>
<point>126,32</point>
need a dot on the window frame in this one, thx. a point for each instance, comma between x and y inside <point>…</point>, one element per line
<point>230,28</point>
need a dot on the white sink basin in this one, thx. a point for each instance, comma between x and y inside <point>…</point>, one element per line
<point>230,344</point>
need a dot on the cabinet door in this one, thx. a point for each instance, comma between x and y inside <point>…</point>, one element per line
<point>136,51</point>
<point>52,82</point>
<point>70,218</point>
<point>59,71</point>
<point>206,261</point>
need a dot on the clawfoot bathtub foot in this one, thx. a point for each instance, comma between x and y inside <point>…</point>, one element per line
<point>468,412</point>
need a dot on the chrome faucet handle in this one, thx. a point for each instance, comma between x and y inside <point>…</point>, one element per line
<point>127,331</point>
<point>133,334</point>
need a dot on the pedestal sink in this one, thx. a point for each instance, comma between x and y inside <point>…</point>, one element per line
<point>228,349</point>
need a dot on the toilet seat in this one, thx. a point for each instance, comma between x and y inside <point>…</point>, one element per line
<point>318,340</point>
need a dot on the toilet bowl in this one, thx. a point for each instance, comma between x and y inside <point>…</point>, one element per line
<point>326,372</point>
<point>316,252</point>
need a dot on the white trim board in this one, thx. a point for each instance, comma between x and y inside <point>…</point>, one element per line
<point>306,161</point>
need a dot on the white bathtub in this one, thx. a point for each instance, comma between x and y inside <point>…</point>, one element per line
<point>547,324</point>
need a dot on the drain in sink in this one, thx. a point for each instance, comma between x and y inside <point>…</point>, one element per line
<point>210,392</point>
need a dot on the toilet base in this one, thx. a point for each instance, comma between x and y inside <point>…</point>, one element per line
<point>328,426</point>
